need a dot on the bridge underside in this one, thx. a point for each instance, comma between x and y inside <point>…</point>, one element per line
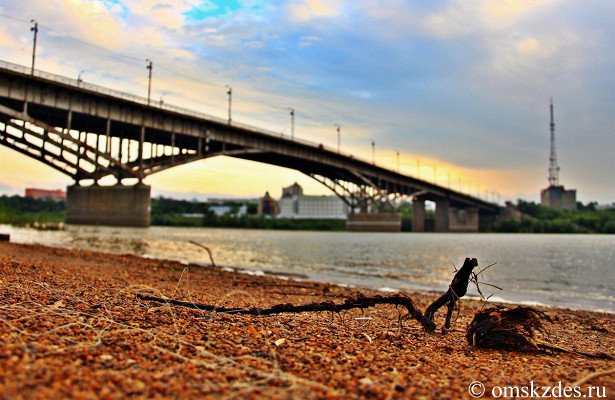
<point>100,139</point>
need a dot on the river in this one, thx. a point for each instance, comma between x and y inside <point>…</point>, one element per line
<point>573,271</point>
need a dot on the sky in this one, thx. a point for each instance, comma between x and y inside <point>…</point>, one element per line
<point>459,88</point>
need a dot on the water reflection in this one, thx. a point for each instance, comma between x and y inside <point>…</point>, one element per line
<point>566,270</point>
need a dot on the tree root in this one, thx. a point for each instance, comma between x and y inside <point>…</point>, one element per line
<point>515,329</point>
<point>456,290</point>
<point>495,327</point>
<point>358,302</point>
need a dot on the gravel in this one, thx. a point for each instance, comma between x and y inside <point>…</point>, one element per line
<point>71,326</point>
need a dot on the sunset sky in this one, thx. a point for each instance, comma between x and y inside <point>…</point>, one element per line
<point>459,87</point>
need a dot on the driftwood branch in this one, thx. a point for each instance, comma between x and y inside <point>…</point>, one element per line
<point>358,302</point>
<point>495,327</point>
<point>211,258</point>
<point>456,290</point>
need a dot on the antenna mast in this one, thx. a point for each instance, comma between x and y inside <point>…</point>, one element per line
<point>553,168</point>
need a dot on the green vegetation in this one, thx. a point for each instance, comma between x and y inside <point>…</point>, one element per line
<point>541,219</point>
<point>26,211</point>
<point>168,212</point>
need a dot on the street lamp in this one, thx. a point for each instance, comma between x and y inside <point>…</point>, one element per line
<point>79,79</point>
<point>230,95</point>
<point>397,161</point>
<point>373,151</point>
<point>292,122</point>
<point>35,30</point>
<point>150,67</point>
<point>339,128</point>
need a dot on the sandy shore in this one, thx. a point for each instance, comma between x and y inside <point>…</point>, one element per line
<point>72,327</point>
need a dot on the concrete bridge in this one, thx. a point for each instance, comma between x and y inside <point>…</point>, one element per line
<point>90,132</point>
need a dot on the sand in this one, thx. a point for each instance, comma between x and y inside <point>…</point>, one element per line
<point>71,326</point>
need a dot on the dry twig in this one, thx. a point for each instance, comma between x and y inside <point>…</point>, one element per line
<point>206,249</point>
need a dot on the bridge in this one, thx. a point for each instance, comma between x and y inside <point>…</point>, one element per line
<point>90,132</point>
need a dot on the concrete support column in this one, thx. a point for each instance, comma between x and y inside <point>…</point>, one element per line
<point>442,215</point>
<point>463,219</point>
<point>418,215</point>
<point>108,205</point>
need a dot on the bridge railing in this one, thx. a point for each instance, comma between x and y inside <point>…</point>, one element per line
<point>77,83</point>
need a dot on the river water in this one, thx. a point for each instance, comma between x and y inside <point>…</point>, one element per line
<point>573,271</point>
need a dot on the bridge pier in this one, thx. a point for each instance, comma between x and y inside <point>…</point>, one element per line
<point>442,215</point>
<point>108,205</point>
<point>448,218</point>
<point>418,215</point>
<point>464,219</point>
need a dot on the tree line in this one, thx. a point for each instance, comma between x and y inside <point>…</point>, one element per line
<point>541,219</point>
<point>535,218</point>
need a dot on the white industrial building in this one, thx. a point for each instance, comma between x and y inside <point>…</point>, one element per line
<point>294,204</point>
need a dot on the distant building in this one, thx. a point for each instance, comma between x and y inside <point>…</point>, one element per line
<point>267,205</point>
<point>302,206</point>
<point>45,194</point>
<point>558,197</point>
<point>294,204</point>
<point>233,200</point>
<point>292,190</point>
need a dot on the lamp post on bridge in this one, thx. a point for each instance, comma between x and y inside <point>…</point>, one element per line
<point>230,95</point>
<point>338,128</point>
<point>292,122</point>
<point>150,67</point>
<point>35,30</point>
<point>373,151</point>
<point>397,152</point>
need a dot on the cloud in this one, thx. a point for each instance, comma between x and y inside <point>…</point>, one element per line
<point>463,17</point>
<point>458,18</point>
<point>305,41</point>
<point>531,45</point>
<point>307,10</point>
<point>464,81</point>
<point>500,14</point>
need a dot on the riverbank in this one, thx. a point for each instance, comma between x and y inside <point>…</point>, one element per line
<point>73,328</point>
